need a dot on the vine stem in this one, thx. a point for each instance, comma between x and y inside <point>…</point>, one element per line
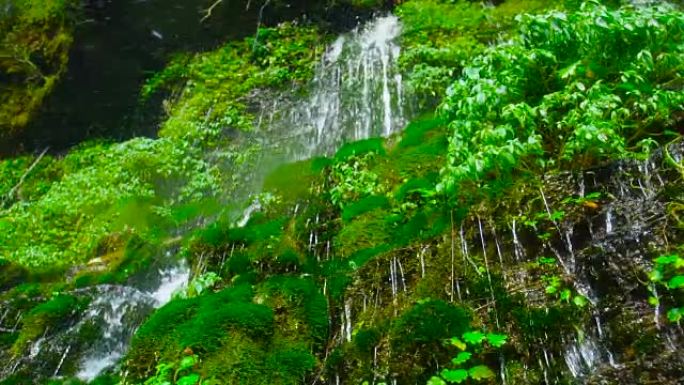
<point>210,10</point>
<point>14,189</point>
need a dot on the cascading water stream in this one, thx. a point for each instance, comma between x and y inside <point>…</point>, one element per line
<point>356,94</point>
<point>114,307</point>
<point>99,336</point>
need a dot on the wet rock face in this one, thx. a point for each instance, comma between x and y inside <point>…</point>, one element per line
<point>611,249</point>
<point>601,249</point>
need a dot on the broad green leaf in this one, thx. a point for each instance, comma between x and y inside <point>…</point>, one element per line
<point>497,340</point>
<point>653,301</point>
<point>480,372</point>
<point>579,301</point>
<point>461,358</point>
<point>551,289</point>
<point>454,376</point>
<point>187,362</point>
<point>676,282</point>
<point>565,295</point>
<point>190,379</point>
<point>675,314</point>
<point>434,380</point>
<point>474,338</point>
<point>458,343</point>
<point>655,275</point>
<point>667,259</point>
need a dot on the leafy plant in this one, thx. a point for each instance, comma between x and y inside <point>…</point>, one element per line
<point>571,89</point>
<point>668,273</point>
<point>176,373</point>
<point>471,343</point>
<point>353,180</point>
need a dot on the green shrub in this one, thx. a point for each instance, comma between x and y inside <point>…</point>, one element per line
<point>290,364</point>
<point>571,90</point>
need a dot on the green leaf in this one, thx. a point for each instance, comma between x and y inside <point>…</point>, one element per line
<point>434,380</point>
<point>190,379</point>
<point>461,358</point>
<point>666,259</point>
<point>653,301</point>
<point>676,282</point>
<point>458,343</point>
<point>565,295</point>
<point>551,289</point>
<point>656,275</point>
<point>187,362</point>
<point>497,340</point>
<point>580,301</point>
<point>454,376</point>
<point>675,314</point>
<point>480,372</point>
<point>474,338</point>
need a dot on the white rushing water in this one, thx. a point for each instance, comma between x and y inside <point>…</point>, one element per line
<point>356,94</point>
<point>116,309</point>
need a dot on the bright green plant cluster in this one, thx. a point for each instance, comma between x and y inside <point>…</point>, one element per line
<point>103,189</point>
<point>353,180</point>
<point>668,273</point>
<point>472,342</point>
<point>216,85</point>
<point>440,37</point>
<point>571,89</point>
<point>177,373</point>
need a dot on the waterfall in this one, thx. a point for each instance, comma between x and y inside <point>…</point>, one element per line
<point>115,307</point>
<point>356,93</point>
<point>98,337</point>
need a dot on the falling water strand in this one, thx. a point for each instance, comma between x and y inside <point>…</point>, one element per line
<point>401,272</point>
<point>517,246</point>
<point>489,276</point>
<point>355,94</point>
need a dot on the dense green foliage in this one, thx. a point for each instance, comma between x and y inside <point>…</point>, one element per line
<point>571,90</point>
<point>89,202</point>
<point>216,85</point>
<point>397,258</point>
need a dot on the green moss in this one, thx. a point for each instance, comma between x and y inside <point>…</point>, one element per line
<point>365,205</point>
<point>366,340</point>
<point>305,297</point>
<point>360,148</point>
<point>52,314</point>
<point>202,323</point>
<point>209,327</point>
<point>35,37</point>
<point>291,182</point>
<point>239,263</point>
<point>11,274</point>
<point>364,232</point>
<point>290,364</point>
<point>428,323</point>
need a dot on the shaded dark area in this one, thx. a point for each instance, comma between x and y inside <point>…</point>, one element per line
<point>119,43</point>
